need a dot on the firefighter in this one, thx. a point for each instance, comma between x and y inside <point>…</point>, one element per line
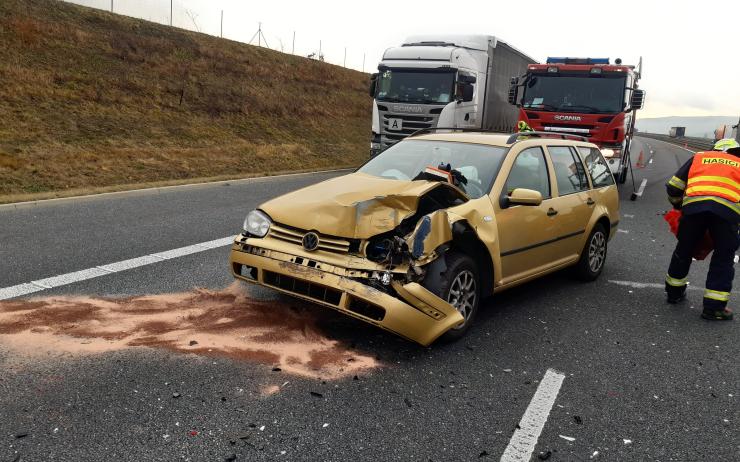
<point>707,190</point>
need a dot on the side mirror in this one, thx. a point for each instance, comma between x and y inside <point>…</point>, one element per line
<point>373,84</point>
<point>514,93</point>
<point>638,99</point>
<point>522,196</point>
<point>468,91</point>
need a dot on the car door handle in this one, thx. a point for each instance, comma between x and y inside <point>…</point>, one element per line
<point>590,201</point>
<point>552,212</point>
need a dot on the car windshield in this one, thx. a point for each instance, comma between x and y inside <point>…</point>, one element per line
<point>405,86</point>
<point>477,163</point>
<point>584,94</point>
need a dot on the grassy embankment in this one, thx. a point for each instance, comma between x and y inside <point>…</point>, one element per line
<point>92,101</point>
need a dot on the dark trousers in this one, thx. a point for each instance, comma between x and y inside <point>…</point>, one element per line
<point>691,231</point>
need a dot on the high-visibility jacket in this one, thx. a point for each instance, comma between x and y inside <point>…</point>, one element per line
<point>710,181</point>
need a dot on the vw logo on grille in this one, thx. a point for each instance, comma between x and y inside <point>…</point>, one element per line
<point>311,241</point>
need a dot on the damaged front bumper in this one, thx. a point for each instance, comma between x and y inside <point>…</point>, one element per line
<point>416,313</point>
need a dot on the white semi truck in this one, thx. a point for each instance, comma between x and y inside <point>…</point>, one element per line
<point>456,81</point>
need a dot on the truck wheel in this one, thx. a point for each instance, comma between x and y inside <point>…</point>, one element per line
<point>593,256</point>
<point>622,177</point>
<point>454,278</point>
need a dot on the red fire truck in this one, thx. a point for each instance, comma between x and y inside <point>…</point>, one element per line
<point>585,96</point>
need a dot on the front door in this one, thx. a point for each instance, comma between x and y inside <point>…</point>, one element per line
<point>524,231</point>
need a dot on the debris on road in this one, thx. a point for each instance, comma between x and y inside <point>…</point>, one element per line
<point>176,395</point>
<point>626,441</point>
<point>325,425</point>
<point>544,455</point>
<point>567,438</point>
<point>230,457</point>
<point>20,435</point>
<point>577,419</point>
<point>595,455</point>
<point>483,454</point>
<point>231,322</point>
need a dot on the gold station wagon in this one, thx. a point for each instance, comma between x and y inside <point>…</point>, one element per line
<point>415,238</point>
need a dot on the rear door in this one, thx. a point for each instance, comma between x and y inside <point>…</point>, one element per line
<point>573,200</point>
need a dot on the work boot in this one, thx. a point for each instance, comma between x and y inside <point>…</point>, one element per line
<point>717,315</point>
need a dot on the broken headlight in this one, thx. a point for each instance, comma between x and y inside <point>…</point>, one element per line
<point>257,223</point>
<point>379,250</point>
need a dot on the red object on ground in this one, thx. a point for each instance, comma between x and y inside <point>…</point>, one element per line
<point>703,249</point>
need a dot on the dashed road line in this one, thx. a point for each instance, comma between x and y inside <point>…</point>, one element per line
<point>103,270</point>
<point>650,285</point>
<point>525,437</point>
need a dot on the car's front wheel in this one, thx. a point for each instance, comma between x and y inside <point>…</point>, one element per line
<point>454,278</point>
<point>593,256</point>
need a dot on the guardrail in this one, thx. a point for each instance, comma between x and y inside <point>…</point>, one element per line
<point>701,144</point>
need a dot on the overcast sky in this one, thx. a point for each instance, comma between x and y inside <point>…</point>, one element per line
<point>691,62</point>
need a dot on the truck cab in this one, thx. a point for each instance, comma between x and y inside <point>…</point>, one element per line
<point>585,96</point>
<point>456,81</point>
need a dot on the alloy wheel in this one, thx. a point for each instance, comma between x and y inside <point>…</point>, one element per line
<point>597,251</point>
<point>463,294</point>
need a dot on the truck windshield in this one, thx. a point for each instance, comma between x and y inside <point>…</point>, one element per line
<point>409,86</point>
<point>575,93</point>
<point>478,163</point>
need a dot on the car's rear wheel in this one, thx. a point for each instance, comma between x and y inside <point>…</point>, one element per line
<point>454,278</point>
<point>593,256</point>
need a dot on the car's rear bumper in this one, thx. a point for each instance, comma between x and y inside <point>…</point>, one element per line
<point>421,317</point>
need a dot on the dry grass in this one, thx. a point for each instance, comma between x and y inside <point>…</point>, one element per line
<point>92,100</point>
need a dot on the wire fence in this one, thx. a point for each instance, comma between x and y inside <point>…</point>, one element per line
<point>175,14</point>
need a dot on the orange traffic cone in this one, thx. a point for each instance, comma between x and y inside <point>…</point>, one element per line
<point>641,160</point>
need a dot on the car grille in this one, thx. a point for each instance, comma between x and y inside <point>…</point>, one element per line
<point>294,235</point>
<point>300,287</point>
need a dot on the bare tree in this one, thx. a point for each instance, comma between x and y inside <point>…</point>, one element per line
<point>193,16</point>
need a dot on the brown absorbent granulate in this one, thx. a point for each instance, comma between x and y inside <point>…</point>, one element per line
<point>226,323</point>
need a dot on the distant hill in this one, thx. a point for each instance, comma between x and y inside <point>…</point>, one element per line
<point>695,126</point>
<point>93,99</point>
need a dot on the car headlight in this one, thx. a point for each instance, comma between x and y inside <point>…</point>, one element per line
<point>607,152</point>
<point>257,223</point>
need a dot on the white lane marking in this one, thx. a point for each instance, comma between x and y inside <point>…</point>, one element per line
<point>649,285</point>
<point>103,270</point>
<point>525,437</point>
<point>642,187</point>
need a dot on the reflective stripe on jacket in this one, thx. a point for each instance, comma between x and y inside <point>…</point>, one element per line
<point>714,176</point>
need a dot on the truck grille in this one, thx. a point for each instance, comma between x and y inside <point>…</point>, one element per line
<point>410,125</point>
<point>294,235</point>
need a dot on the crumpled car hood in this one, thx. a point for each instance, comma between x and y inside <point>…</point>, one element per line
<point>352,206</point>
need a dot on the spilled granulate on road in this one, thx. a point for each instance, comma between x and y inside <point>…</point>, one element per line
<point>227,323</point>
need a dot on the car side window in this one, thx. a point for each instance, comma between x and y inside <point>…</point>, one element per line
<point>530,172</point>
<point>569,171</point>
<point>597,167</point>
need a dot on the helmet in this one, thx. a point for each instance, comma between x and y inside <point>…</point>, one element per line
<point>523,126</point>
<point>726,144</point>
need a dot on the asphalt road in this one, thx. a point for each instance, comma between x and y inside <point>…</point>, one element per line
<point>643,380</point>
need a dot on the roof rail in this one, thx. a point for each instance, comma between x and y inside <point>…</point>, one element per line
<point>512,138</point>
<point>424,131</point>
<point>515,137</point>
